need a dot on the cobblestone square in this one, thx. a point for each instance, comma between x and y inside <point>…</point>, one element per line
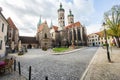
<point>69,66</point>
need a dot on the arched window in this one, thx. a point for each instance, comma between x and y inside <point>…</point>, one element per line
<point>45,35</point>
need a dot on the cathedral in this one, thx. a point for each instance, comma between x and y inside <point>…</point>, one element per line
<point>62,35</point>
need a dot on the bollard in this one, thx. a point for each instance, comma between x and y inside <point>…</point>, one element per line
<point>19,68</point>
<point>29,72</point>
<point>46,77</point>
<point>14,65</point>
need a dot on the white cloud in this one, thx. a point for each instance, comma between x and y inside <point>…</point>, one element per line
<point>25,13</point>
<point>92,28</point>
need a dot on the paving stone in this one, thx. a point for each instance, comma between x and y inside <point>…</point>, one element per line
<point>101,69</point>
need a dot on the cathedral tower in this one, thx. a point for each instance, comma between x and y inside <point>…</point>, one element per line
<point>61,17</point>
<point>70,17</point>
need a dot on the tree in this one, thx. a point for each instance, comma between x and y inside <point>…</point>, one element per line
<point>112,20</point>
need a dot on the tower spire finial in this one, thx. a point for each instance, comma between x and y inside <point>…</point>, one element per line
<point>70,11</point>
<point>51,23</point>
<point>60,5</point>
<point>39,21</point>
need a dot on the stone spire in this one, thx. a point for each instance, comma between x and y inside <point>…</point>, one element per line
<point>39,23</point>
<point>51,24</point>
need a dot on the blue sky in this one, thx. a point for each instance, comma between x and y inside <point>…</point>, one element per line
<point>26,13</point>
<point>102,6</point>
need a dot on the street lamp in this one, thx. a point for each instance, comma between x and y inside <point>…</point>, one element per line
<point>108,54</point>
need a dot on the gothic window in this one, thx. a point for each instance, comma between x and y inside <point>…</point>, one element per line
<point>74,34</point>
<point>2,27</point>
<point>70,35</point>
<point>0,44</point>
<point>45,35</point>
<point>45,43</point>
<point>79,38</point>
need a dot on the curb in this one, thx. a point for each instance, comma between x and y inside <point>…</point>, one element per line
<point>85,72</point>
<point>62,53</point>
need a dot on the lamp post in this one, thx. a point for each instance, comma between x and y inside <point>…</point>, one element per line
<point>108,54</point>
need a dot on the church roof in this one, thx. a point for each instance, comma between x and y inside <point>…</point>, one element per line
<point>11,24</point>
<point>28,40</point>
<point>76,24</point>
<point>42,26</point>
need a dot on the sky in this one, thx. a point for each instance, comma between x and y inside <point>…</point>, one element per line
<point>26,13</point>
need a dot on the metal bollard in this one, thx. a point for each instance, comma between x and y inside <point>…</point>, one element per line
<point>19,68</point>
<point>29,72</point>
<point>14,65</point>
<point>46,77</point>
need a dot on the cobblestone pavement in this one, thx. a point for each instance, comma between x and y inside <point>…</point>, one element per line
<point>101,69</point>
<point>11,76</point>
<point>57,67</point>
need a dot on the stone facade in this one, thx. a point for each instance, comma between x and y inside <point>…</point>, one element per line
<point>44,36</point>
<point>62,35</point>
<point>28,42</point>
<point>13,35</point>
<point>3,34</point>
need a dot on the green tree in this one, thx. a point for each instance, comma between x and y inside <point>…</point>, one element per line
<point>112,20</point>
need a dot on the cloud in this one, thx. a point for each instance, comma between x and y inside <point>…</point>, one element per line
<point>26,13</point>
<point>92,28</point>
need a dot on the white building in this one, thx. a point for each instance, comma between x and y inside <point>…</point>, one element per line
<point>93,39</point>
<point>98,39</point>
<point>3,33</point>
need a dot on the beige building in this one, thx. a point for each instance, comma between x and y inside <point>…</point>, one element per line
<point>3,33</point>
<point>27,42</point>
<point>73,33</point>
<point>62,35</point>
<point>43,35</point>
<point>13,35</point>
<point>98,39</point>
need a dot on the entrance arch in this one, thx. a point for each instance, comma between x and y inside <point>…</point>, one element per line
<point>29,46</point>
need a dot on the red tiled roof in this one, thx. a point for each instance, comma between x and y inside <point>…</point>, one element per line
<point>55,28</point>
<point>101,34</point>
<point>41,26</point>
<point>11,24</point>
<point>77,24</point>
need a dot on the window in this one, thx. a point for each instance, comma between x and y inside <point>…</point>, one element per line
<point>45,43</point>
<point>52,34</point>
<point>0,44</point>
<point>5,38</point>
<point>2,27</point>
<point>45,35</point>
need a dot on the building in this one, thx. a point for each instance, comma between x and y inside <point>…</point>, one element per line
<point>13,35</point>
<point>94,39</point>
<point>63,35</point>
<point>43,35</point>
<point>27,42</point>
<point>3,33</point>
<point>98,39</point>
